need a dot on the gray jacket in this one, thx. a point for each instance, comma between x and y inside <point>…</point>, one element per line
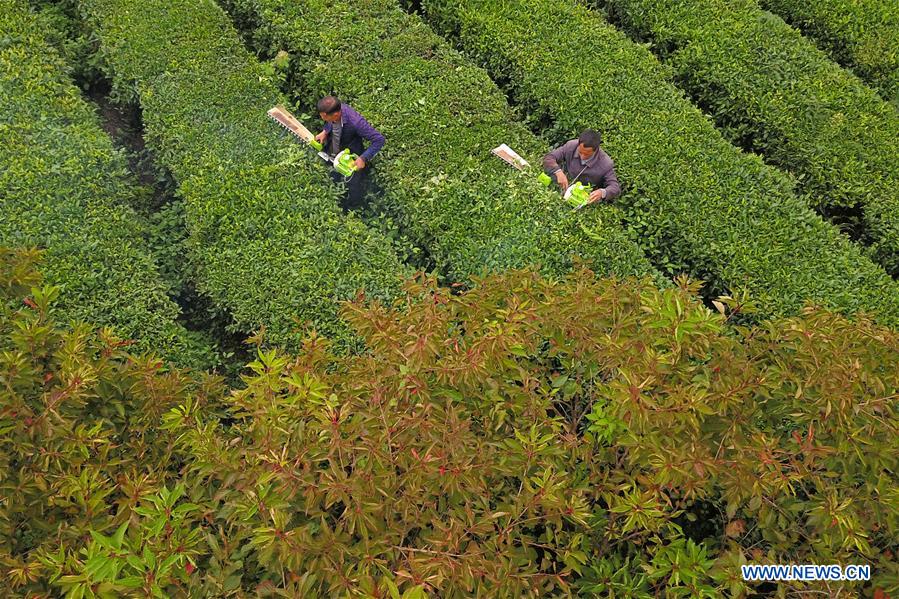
<point>599,171</point>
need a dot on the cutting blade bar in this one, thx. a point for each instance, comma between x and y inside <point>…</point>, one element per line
<point>510,156</point>
<point>283,117</point>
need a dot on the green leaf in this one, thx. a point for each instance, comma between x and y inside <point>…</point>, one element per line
<point>391,586</point>
<point>119,535</point>
<point>131,582</point>
<point>559,381</point>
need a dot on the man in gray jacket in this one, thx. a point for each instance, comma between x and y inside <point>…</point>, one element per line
<point>582,160</point>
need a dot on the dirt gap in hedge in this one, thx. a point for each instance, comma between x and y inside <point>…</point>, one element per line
<point>163,213</point>
<point>155,200</point>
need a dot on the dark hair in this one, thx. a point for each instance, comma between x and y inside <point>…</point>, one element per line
<point>329,104</point>
<point>590,138</point>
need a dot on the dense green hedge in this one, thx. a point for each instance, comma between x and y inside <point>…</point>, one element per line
<point>65,189</point>
<point>526,438</point>
<point>862,34</point>
<point>269,239</point>
<point>471,211</point>
<point>775,91</point>
<point>698,202</point>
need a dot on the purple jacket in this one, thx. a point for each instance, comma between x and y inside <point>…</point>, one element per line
<point>598,172</point>
<point>355,129</point>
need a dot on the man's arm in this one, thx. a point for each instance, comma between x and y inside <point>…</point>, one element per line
<point>613,189</point>
<point>375,138</point>
<point>551,160</point>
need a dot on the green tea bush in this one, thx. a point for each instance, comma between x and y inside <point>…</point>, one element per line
<point>65,189</point>
<point>67,36</point>
<point>778,93</point>
<point>697,203</point>
<point>527,437</point>
<point>862,34</point>
<point>269,240</point>
<point>470,210</point>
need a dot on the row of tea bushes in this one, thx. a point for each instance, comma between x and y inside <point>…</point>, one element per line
<point>470,210</point>
<point>778,93</point>
<point>698,203</point>
<point>271,245</point>
<point>67,190</point>
<point>862,34</point>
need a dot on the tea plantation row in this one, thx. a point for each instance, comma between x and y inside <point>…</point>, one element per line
<point>863,34</point>
<point>260,213</point>
<point>776,91</point>
<point>270,243</point>
<point>65,189</point>
<point>470,210</point>
<point>361,54</point>
<point>698,203</point>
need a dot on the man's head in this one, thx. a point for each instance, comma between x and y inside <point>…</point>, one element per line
<point>329,109</point>
<point>588,143</point>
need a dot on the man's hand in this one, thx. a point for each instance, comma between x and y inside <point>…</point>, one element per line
<point>360,163</point>
<point>321,137</point>
<point>596,195</point>
<point>562,179</point>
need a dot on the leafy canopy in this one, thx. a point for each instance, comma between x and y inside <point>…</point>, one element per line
<point>526,437</point>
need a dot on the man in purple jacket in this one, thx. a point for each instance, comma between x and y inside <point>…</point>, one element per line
<point>346,128</point>
<point>581,160</point>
